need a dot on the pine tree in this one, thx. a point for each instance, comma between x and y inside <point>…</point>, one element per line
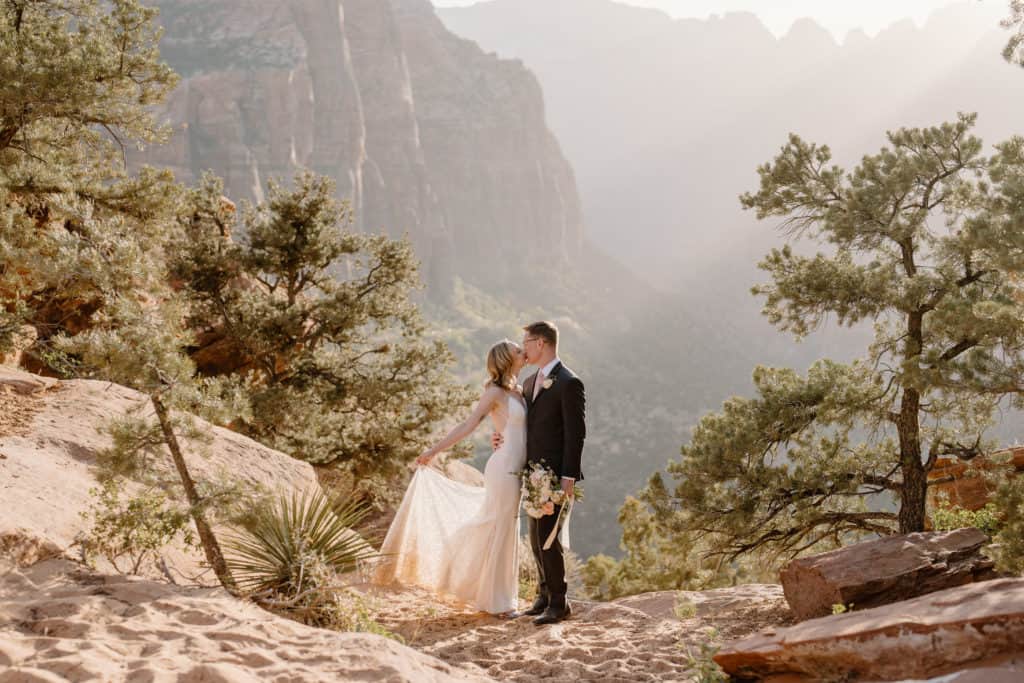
<point>83,242</point>
<point>141,345</point>
<point>1014,50</point>
<point>77,78</point>
<point>928,244</point>
<point>320,321</point>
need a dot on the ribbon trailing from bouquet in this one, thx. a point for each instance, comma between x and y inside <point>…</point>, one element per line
<point>563,519</point>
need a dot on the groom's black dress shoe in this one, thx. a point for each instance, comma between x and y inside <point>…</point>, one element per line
<point>553,614</point>
<point>539,606</point>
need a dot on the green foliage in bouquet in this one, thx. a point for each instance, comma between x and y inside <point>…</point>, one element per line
<point>924,241</point>
<point>333,350</point>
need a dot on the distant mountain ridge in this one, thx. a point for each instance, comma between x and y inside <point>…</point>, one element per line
<point>665,120</point>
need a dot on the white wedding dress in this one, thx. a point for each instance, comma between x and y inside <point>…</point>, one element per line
<point>460,540</point>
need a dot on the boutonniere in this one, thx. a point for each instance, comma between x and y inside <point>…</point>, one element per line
<point>547,383</point>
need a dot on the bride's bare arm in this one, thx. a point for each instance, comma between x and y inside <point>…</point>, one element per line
<point>484,406</point>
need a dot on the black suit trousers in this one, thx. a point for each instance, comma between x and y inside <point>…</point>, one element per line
<point>550,564</point>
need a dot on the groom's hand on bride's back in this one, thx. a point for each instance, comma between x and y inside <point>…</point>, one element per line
<point>496,440</point>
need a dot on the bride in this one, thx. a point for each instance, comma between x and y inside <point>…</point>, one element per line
<point>461,540</point>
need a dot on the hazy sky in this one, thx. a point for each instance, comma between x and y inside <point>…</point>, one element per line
<point>839,16</point>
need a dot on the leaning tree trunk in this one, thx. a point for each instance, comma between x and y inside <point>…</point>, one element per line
<point>209,542</point>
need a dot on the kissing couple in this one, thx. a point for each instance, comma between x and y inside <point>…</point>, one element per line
<point>462,541</point>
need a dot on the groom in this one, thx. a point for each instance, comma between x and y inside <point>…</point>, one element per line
<point>555,429</point>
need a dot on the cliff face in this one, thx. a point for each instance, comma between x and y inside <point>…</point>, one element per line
<point>423,132</point>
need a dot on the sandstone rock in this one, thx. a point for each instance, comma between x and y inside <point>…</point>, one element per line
<point>964,484</point>
<point>923,637</point>
<point>22,340</point>
<point>1007,669</point>
<point>884,571</point>
<point>23,382</point>
<point>47,468</point>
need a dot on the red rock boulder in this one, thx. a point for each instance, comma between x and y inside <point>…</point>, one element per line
<point>964,484</point>
<point>884,571</point>
<point>932,635</point>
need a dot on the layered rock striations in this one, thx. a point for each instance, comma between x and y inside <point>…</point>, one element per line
<point>885,570</point>
<point>425,133</point>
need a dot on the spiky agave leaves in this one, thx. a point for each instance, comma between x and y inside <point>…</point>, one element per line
<point>294,545</point>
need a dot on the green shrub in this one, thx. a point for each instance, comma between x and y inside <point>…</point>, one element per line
<point>129,532</point>
<point>702,663</point>
<point>288,546</point>
<point>946,517</point>
<point>684,609</point>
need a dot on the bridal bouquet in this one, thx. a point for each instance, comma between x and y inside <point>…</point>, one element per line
<point>542,491</point>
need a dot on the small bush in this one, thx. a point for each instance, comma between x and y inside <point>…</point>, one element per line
<point>947,517</point>
<point>130,532</point>
<point>684,609</point>
<point>1009,506</point>
<point>702,663</point>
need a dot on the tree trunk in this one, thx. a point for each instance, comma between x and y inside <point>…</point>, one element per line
<point>211,547</point>
<point>7,135</point>
<point>914,489</point>
<point>913,495</point>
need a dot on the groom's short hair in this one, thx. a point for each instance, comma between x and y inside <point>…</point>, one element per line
<point>546,330</point>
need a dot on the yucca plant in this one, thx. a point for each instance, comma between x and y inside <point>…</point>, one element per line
<point>297,545</point>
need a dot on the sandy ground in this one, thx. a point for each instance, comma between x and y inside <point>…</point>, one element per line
<point>60,623</point>
<point>633,639</point>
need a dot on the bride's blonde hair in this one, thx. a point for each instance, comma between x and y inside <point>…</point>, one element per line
<point>500,360</point>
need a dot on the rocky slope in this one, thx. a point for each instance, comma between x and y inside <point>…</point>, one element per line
<point>423,131</point>
<point>50,437</point>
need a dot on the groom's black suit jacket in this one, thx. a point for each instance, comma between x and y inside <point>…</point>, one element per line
<point>556,422</point>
